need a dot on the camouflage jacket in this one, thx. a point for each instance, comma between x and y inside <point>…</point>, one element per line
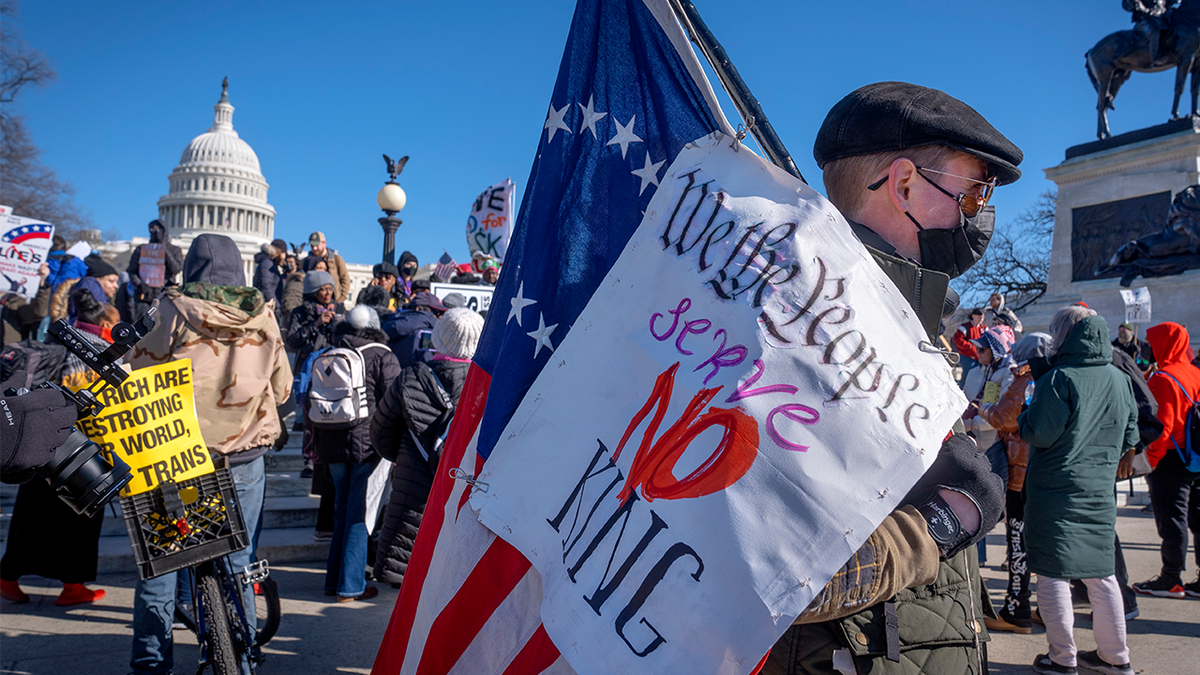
<point>241,370</point>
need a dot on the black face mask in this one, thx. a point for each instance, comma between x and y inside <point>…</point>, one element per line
<point>409,270</point>
<point>954,251</point>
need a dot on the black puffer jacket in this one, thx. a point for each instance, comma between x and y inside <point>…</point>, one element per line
<point>305,336</point>
<point>334,446</point>
<point>409,403</point>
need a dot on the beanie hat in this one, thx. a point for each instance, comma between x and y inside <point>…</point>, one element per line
<point>280,245</point>
<point>457,333</point>
<point>453,300</point>
<point>98,267</point>
<point>998,338</point>
<point>315,279</point>
<point>362,317</point>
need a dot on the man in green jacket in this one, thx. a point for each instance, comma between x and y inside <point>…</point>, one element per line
<point>912,170</point>
<point>1080,422</point>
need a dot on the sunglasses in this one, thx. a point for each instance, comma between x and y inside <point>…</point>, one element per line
<point>969,204</point>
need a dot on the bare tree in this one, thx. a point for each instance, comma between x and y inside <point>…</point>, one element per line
<point>26,184</point>
<point>1017,262</point>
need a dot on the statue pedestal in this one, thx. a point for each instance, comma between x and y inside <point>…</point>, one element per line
<point>1111,192</point>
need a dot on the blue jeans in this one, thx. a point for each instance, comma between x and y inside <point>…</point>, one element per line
<point>154,599</point>
<point>346,567</point>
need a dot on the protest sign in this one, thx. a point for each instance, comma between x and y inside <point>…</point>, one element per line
<point>479,298</point>
<point>489,227</point>
<point>1137,304</point>
<point>24,246</point>
<point>152,265</point>
<point>738,407</point>
<point>150,423</point>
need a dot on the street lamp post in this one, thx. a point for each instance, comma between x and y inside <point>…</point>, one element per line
<point>391,200</point>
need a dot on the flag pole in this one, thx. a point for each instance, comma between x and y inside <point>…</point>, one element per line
<point>747,106</point>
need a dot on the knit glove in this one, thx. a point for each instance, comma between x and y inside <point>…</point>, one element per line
<point>32,426</point>
<point>961,467</point>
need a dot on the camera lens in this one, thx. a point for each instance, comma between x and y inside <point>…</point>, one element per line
<point>122,332</point>
<point>83,477</point>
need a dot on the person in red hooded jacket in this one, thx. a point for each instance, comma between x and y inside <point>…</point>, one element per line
<point>1174,491</point>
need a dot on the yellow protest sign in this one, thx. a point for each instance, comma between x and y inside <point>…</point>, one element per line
<point>150,423</point>
<point>991,393</point>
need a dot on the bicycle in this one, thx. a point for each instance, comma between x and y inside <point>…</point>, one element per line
<point>194,525</point>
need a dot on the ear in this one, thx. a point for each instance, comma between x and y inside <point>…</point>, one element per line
<point>901,176</point>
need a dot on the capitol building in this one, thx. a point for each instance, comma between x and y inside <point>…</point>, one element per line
<point>219,187</point>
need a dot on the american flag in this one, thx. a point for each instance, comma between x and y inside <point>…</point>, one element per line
<point>20,235</point>
<point>446,268</point>
<point>630,94</point>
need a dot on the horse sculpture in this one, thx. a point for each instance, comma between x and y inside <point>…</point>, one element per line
<point>1116,56</point>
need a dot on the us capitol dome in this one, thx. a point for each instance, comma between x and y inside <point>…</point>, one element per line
<point>218,187</point>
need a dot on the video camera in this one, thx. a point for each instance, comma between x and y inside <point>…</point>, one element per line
<point>81,475</point>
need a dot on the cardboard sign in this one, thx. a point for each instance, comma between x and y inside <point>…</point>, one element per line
<point>150,423</point>
<point>479,298</point>
<point>1137,304</point>
<point>152,265</point>
<point>991,393</point>
<point>740,404</point>
<point>489,227</point>
<point>24,246</point>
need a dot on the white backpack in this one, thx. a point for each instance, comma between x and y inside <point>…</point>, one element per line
<point>337,394</point>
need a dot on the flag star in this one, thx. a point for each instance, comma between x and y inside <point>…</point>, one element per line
<point>625,136</point>
<point>590,116</point>
<point>542,335</point>
<point>554,121</point>
<point>648,173</point>
<point>519,302</point>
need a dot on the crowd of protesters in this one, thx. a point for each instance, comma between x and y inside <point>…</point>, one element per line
<point>1052,421</point>
<point>255,341</point>
<point>1063,416</point>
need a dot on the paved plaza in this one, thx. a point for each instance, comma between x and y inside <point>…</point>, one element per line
<point>319,636</point>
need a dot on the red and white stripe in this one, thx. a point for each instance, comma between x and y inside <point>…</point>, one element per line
<point>470,601</point>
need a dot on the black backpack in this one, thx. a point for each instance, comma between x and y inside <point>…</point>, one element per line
<point>41,362</point>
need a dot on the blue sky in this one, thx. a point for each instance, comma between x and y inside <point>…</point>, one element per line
<point>462,87</point>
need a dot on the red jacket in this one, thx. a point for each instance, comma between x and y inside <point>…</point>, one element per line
<point>966,332</point>
<point>1173,354</point>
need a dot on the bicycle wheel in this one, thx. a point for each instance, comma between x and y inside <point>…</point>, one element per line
<point>267,610</point>
<point>221,653</point>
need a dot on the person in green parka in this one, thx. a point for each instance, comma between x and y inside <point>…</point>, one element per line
<point>1081,420</point>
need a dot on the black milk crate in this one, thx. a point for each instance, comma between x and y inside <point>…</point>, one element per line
<point>214,516</point>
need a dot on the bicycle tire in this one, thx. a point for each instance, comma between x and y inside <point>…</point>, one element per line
<point>222,653</point>
<point>273,613</point>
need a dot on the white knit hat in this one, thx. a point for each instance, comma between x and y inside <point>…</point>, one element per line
<point>457,333</point>
<point>362,317</point>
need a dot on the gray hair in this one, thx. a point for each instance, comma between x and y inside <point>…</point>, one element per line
<point>1064,321</point>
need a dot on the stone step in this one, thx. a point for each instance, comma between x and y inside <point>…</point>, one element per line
<point>278,513</point>
<point>286,545</point>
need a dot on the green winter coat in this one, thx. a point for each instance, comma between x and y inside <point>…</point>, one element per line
<point>1081,420</point>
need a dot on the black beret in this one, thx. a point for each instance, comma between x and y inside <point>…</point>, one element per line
<point>385,268</point>
<point>890,116</point>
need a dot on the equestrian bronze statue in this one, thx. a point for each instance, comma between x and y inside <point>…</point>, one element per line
<point>1164,36</point>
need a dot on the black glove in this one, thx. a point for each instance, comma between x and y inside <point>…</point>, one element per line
<point>960,466</point>
<point>31,427</point>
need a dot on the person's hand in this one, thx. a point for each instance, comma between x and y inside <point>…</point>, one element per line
<point>32,426</point>
<point>44,271</point>
<point>324,318</point>
<point>1125,466</point>
<point>960,497</point>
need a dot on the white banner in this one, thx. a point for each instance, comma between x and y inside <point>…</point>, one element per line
<point>489,227</point>
<point>479,298</point>
<point>739,406</point>
<point>1137,304</point>
<point>24,246</point>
